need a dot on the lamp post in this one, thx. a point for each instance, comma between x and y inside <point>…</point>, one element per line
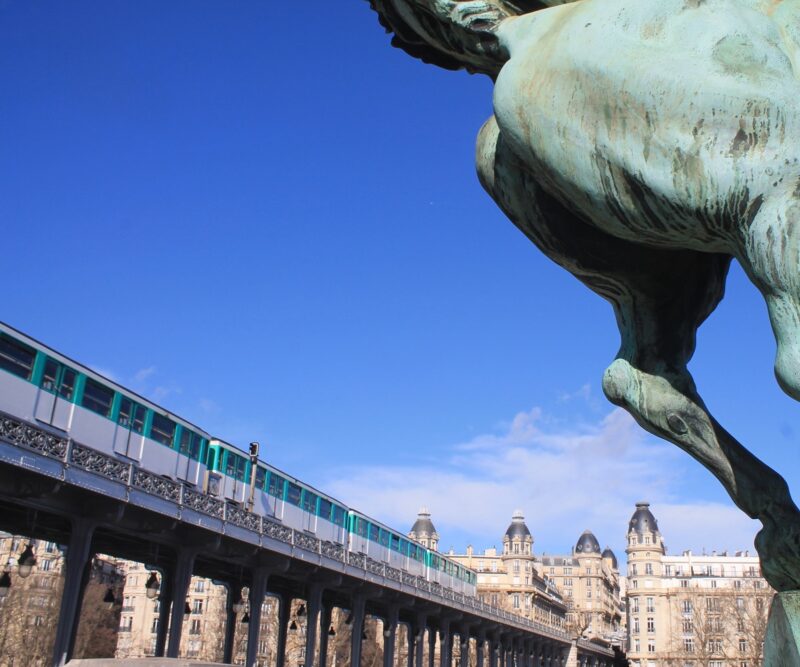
<point>152,586</point>
<point>26,562</point>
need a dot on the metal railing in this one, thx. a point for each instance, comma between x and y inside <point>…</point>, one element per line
<point>74,454</point>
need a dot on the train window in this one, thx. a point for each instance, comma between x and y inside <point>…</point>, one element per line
<point>385,538</point>
<point>16,357</point>
<point>190,444</point>
<point>434,561</point>
<point>261,477</point>
<point>293,494</point>
<point>162,429</point>
<point>339,516</point>
<point>97,398</point>
<point>373,532</point>
<point>276,484</point>
<point>395,542</point>
<point>235,466</point>
<point>58,379</point>
<point>325,507</point>
<point>310,502</point>
<point>361,526</point>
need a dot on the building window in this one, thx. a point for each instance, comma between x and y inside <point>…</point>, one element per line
<point>634,605</point>
<point>668,570</point>
<point>714,646</point>
<point>126,623</point>
<point>636,625</point>
<point>651,646</point>
<point>633,570</point>
<point>637,647</point>
<point>197,606</point>
<point>688,645</point>
<point>195,627</point>
<point>742,645</point>
<point>635,583</point>
<point>651,624</point>
<point>713,583</point>
<point>648,568</point>
<point>45,565</point>
<point>687,606</point>
<point>516,600</point>
<point>516,548</point>
<point>688,626</point>
<point>200,586</point>
<point>647,539</point>
<point>154,626</point>
<point>650,605</point>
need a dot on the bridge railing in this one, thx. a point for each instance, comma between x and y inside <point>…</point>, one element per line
<point>74,454</point>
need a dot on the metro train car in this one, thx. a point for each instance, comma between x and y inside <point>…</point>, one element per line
<point>51,391</point>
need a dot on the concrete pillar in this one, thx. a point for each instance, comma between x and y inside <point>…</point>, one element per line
<point>312,618</point>
<point>509,653</point>
<point>419,639</point>
<point>494,650</point>
<point>284,614</point>
<point>180,589</point>
<point>234,593</point>
<point>410,645</point>
<point>445,654</point>
<point>258,589</point>
<point>324,627</point>
<point>164,604</point>
<point>76,575</point>
<point>390,636</point>
<point>356,630</point>
<point>480,646</point>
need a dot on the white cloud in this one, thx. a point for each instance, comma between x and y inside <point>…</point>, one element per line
<point>144,373</point>
<point>565,478</point>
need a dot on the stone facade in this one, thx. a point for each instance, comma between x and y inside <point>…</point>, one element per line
<point>580,592</point>
<point>692,610</point>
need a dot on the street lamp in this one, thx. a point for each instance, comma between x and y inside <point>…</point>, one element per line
<point>245,618</point>
<point>26,562</point>
<point>331,631</point>
<point>293,626</point>
<point>238,605</point>
<point>152,586</point>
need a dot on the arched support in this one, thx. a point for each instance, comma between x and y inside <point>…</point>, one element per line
<point>324,624</point>
<point>76,574</point>
<point>356,630</point>
<point>234,594</point>
<point>284,613</point>
<point>182,577</point>
<point>258,589</point>
<point>312,617</point>
<point>390,635</point>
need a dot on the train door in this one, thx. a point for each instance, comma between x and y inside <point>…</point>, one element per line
<point>130,426</point>
<point>310,511</point>
<point>54,405</point>
<point>188,461</point>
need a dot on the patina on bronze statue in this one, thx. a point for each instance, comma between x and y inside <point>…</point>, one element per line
<point>641,145</point>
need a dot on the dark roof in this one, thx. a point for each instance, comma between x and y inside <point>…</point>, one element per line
<point>643,520</point>
<point>423,525</point>
<point>587,543</point>
<point>517,527</point>
<point>607,553</point>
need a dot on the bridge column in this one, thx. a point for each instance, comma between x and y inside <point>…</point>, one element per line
<point>312,618</point>
<point>76,575</point>
<point>324,625</point>
<point>431,647</point>
<point>410,645</point>
<point>445,659</point>
<point>494,650</point>
<point>509,652</point>
<point>356,630</point>
<point>419,639</point>
<point>463,639</point>
<point>234,593</point>
<point>258,588</point>
<point>284,614</point>
<point>164,605</point>
<point>480,646</point>
<point>180,589</point>
<point>390,635</point>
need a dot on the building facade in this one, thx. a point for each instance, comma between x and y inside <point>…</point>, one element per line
<point>580,592</point>
<point>691,610</point>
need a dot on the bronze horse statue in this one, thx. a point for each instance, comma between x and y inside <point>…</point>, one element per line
<point>641,145</point>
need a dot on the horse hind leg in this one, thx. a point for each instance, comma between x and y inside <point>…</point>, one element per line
<point>769,251</point>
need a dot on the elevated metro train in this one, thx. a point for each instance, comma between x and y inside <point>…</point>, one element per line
<point>45,388</point>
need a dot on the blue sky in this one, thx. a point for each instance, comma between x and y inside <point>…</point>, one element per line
<point>267,219</point>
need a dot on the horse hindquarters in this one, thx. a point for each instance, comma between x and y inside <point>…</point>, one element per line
<point>770,254</point>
